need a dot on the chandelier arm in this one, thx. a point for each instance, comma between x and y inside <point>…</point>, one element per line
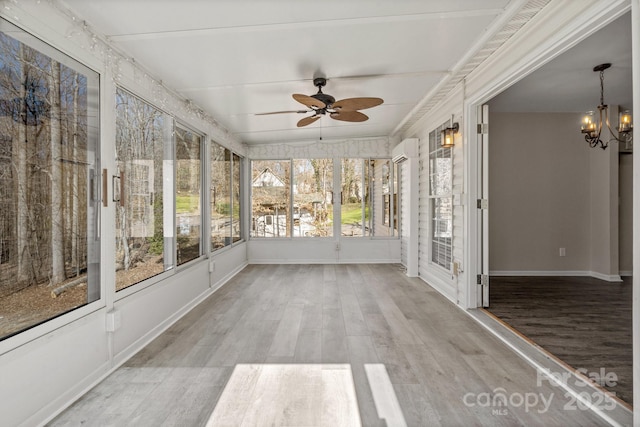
<point>613,133</point>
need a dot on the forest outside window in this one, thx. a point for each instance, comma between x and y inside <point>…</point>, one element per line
<point>143,248</point>
<point>49,199</point>
<point>188,198</point>
<point>313,197</point>
<point>225,172</point>
<point>236,191</point>
<point>355,212</point>
<point>220,196</point>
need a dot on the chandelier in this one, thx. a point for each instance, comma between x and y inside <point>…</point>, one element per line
<point>592,125</point>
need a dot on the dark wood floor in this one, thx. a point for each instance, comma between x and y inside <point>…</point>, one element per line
<point>583,321</point>
<point>413,358</point>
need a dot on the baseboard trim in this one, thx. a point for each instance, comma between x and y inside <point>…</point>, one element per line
<point>118,360</point>
<point>448,292</point>
<point>608,278</point>
<point>324,261</point>
<point>542,273</point>
<point>626,273</point>
<point>46,414</point>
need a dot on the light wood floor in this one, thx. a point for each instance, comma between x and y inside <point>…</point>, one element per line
<point>402,344</point>
<point>585,322</point>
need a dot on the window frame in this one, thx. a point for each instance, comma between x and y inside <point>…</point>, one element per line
<point>435,148</point>
<point>204,199</point>
<point>289,227</point>
<point>337,205</point>
<point>169,253</point>
<point>234,158</point>
<point>94,122</point>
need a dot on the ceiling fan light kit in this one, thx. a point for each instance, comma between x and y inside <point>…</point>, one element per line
<point>592,125</point>
<point>321,104</point>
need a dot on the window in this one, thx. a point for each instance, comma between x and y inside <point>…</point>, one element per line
<point>188,187</point>
<point>236,190</point>
<point>383,192</point>
<point>441,199</point>
<point>270,198</point>
<point>355,198</point>
<point>313,197</point>
<point>220,197</point>
<point>50,202</point>
<point>225,197</point>
<point>304,207</point>
<point>143,249</point>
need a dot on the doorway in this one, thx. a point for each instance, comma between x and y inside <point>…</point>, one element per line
<point>559,243</point>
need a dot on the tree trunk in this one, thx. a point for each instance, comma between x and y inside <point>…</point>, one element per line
<point>20,161</point>
<point>57,224</point>
<point>75,259</point>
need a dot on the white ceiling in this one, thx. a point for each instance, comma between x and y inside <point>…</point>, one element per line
<point>236,58</point>
<point>568,82</point>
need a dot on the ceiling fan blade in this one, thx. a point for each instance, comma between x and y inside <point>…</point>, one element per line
<point>353,104</point>
<point>282,112</point>
<point>309,101</point>
<point>350,116</point>
<point>307,121</point>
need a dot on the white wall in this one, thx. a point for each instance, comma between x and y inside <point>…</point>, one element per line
<point>540,200</point>
<point>47,367</point>
<point>626,214</point>
<point>443,280</point>
<point>409,234</point>
<point>549,190</point>
<point>603,167</point>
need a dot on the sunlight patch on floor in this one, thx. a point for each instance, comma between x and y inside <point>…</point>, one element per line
<point>288,395</point>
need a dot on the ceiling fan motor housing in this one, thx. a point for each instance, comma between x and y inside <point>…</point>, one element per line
<point>328,100</point>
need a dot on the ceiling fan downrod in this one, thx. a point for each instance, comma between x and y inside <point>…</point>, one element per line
<point>328,100</point>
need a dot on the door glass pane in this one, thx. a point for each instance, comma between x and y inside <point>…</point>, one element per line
<point>313,198</point>
<point>355,198</point>
<point>188,184</point>
<point>381,193</point>
<point>140,237</point>
<point>49,183</point>
<point>270,198</point>
<point>220,197</point>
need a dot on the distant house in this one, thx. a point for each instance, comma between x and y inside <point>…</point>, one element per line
<point>267,179</point>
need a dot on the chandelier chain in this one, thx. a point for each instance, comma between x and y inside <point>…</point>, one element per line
<point>601,87</point>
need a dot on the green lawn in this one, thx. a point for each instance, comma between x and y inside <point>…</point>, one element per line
<point>186,204</point>
<point>352,212</point>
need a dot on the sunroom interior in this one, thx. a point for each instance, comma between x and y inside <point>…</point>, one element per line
<point>151,151</point>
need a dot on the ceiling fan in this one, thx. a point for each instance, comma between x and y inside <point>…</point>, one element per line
<point>321,104</point>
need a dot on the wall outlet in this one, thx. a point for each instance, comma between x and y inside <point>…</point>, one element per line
<point>457,268</point>
<point>338,246</point>
<point>563,251</point>
<point>114,321</point>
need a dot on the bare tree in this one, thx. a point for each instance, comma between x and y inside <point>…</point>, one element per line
<point>19,152</point>
<point>57,222</point>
